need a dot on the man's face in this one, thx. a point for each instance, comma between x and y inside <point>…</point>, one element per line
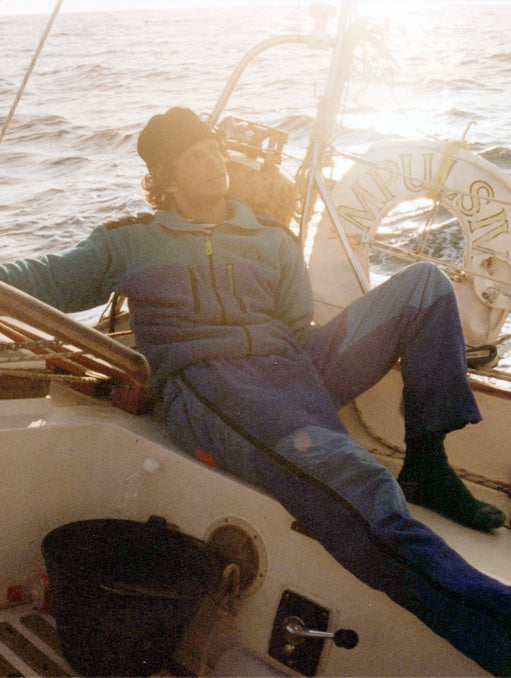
<point>200,174</point>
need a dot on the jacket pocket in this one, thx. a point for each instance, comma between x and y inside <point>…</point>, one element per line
<point>232,287</point>
<point>194,290</point>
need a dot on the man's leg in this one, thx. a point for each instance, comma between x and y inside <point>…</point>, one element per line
<point>412,317</point>
<point>199,421</point>
<point>352,506</point>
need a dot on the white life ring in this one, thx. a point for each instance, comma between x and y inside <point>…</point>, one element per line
<point>473,190</point>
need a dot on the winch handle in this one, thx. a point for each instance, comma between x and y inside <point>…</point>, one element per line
<point>296,630</point>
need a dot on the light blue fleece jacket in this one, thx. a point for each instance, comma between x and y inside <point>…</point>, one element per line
<point>195,291</point>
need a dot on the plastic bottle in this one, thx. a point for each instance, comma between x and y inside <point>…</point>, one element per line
<point>35,589</point>
<point>133,485</point>
<point>10,595</point>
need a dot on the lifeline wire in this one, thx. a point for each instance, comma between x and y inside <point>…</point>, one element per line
<point>30,69</point>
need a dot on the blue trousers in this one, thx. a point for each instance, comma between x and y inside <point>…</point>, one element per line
<point>272,421</point>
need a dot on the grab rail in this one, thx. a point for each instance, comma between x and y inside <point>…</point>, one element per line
<point>247,59</point>
<point>46,318</point>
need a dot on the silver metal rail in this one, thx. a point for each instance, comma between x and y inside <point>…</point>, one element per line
<point>35,313</point>
<point>244,63</point>
<point>317,39</point>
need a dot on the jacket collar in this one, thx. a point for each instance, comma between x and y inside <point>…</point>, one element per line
<point>242,217</point>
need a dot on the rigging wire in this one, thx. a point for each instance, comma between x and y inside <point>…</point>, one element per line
<point>30,69</point>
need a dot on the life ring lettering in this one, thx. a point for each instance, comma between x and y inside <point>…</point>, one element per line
<point>473,190</point>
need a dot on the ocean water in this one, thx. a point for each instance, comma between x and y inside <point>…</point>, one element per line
<point>69,160</point>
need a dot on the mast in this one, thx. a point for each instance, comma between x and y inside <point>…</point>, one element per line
<point>325,122</point>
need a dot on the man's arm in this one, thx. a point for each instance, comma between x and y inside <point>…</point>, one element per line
<point>71,280</point>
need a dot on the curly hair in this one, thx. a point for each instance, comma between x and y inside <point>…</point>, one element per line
<point>156,192</point>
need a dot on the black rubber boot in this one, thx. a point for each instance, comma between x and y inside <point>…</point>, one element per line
<point>427,480</point>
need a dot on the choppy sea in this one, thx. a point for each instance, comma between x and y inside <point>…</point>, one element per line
<point>69,161</point>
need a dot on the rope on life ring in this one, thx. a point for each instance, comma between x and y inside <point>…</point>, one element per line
<point>474,191</point>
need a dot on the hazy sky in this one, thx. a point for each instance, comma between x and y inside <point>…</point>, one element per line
<point>47,6</point>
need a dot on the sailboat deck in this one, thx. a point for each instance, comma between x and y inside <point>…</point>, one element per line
<point>29,644</point>
<point>488,552</point>
<point>99,446</point>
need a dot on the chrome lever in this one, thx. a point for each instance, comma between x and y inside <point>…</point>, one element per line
<point>295,631</point>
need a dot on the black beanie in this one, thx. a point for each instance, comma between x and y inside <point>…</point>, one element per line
<point>167,135</point>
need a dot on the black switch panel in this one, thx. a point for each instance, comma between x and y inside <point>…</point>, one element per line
<point>300,654</point>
